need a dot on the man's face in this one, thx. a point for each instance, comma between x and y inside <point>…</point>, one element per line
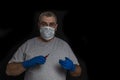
<point>47,21</point>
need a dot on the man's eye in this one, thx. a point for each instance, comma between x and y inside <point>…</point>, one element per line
<point>43,24</point>
<point>52,24</point>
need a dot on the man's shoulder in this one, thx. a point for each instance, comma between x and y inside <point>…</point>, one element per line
<point>61,41</point>
<point>30,40</point>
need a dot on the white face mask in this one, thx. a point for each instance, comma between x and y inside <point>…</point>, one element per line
<point>47,32</point>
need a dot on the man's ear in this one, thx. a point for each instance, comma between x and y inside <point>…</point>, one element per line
<point>56,27</point>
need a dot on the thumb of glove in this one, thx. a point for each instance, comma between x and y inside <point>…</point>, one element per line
<point>66,58</point>
<point>61,61</point>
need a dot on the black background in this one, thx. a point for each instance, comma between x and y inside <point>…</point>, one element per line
<point>80,24</point>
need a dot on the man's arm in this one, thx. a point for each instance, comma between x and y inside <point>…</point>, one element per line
<point>14,69</point>
<point>77,71</point>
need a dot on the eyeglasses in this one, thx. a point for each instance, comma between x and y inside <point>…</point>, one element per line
<point>52,24</point>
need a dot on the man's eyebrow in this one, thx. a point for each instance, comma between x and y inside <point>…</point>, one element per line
<point>43,22</point>
<point>52,22</point>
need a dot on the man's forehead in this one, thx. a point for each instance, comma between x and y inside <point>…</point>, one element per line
<point>48,19</point>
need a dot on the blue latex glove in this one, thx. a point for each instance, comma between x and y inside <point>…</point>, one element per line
<point>67,64</point>
<point>34,61</point>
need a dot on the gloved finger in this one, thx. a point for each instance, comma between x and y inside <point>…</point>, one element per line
<point>42,57</point>
<point>61,61</point>
<point>65,66</point>
<point>64,61</point>
<point>41,60</point>
<point>66,58</point>
<point>39,57</point>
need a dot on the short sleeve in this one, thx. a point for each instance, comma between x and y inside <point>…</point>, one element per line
<point>71,54</point>
<point>19,55</point>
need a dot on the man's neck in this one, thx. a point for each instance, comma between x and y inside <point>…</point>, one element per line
<point>40,38</point>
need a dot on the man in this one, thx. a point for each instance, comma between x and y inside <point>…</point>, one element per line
<point>45,57</point>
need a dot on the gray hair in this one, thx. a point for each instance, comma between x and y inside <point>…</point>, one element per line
<point>48,14</point>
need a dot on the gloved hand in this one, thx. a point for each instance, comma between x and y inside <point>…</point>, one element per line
<point>34,61</point>
<point>67,64</point>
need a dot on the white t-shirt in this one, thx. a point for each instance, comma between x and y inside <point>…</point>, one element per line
<point>51,70</point>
